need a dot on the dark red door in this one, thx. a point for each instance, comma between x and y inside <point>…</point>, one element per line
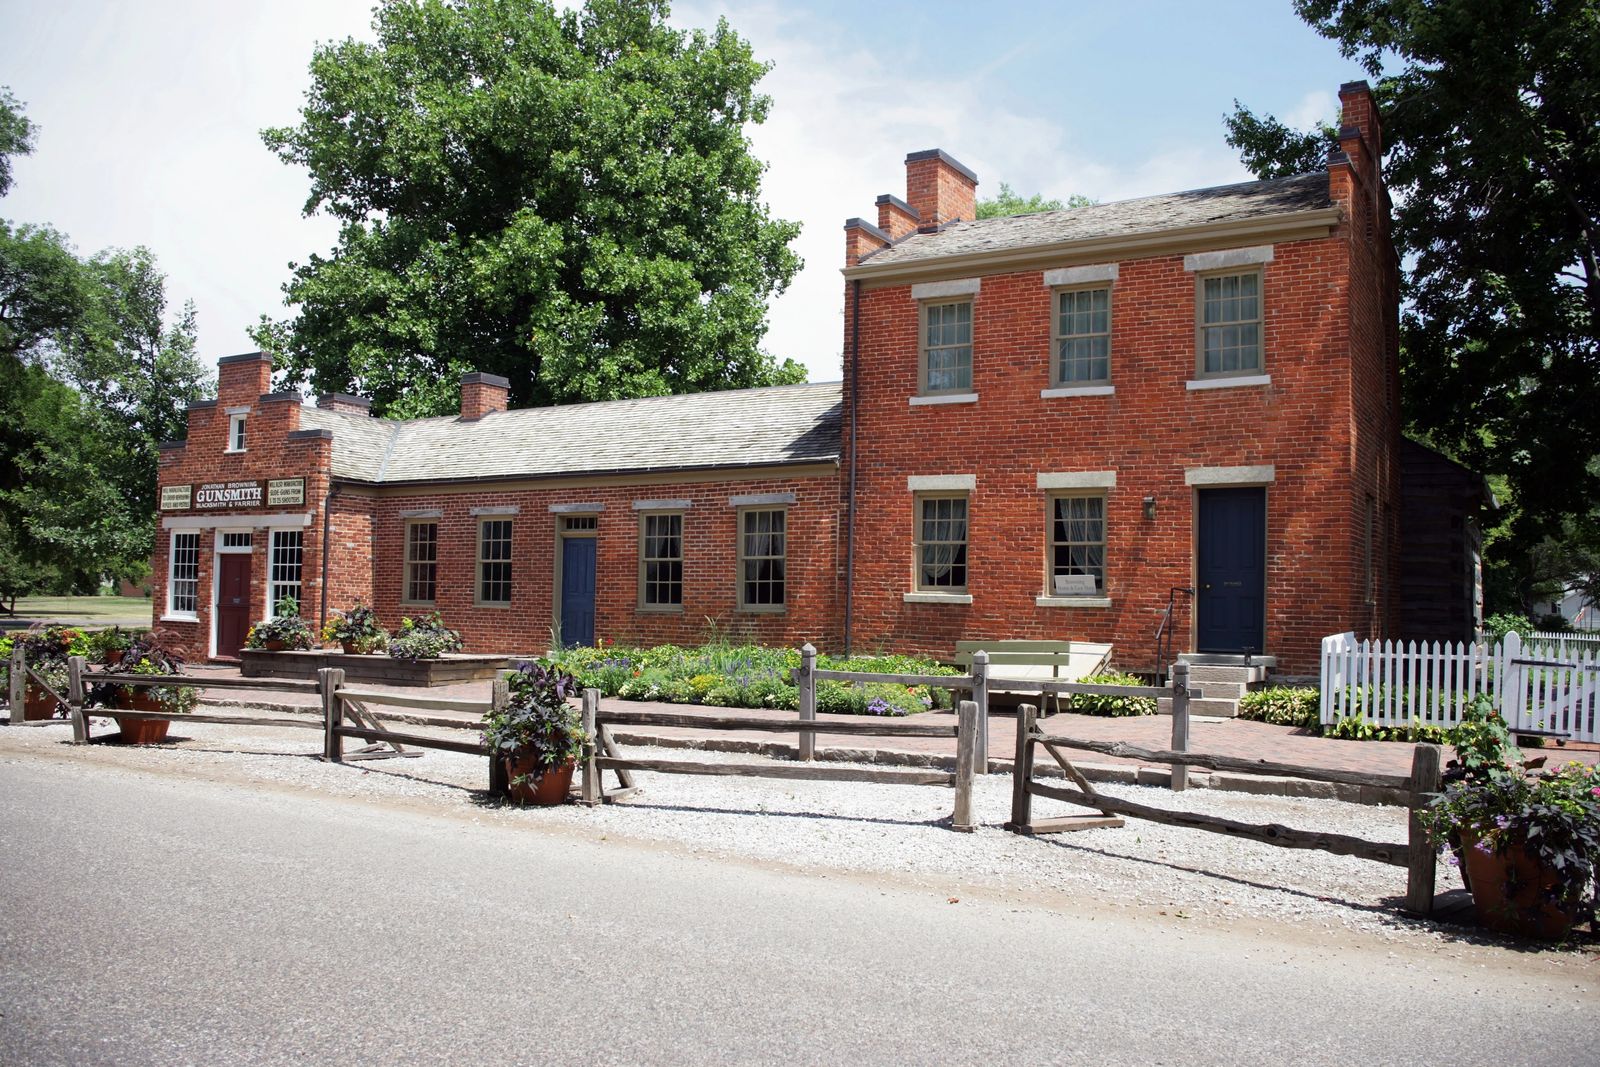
<point>233,603</point>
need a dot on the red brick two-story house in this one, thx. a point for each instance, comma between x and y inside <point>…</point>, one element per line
<point>1053,421</point>
<point>1048,424</point>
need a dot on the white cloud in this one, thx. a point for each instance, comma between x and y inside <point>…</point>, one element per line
<point>840,128</point>
<point>1314,108</point>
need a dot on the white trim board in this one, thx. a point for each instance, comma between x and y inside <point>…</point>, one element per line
<point>227,521</point>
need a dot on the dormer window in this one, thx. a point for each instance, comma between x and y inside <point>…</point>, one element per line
<point>236,431</point>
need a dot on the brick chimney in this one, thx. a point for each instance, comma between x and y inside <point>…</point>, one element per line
<point>344,402</point>
<point>861,239</point>
<point>895,217</point>
<point>482,394</point>
<point>1359,111</point>
<point>243,379</point>
<point>939,189</point>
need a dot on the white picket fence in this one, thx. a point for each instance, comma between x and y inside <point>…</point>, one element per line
<point>1535,687</point>
<point>1559,644</point>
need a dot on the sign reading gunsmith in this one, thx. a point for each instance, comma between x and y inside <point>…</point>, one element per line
<point>286,491</point>
<point>176,497</point>
<point>228,495</point>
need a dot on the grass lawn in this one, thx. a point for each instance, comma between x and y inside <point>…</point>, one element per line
<point>80,611</point>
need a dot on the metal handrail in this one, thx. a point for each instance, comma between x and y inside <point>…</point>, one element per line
<point>1164,632</point>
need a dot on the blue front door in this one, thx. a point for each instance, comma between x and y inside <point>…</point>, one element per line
<point>1230,596</point>
<point>577,591</point>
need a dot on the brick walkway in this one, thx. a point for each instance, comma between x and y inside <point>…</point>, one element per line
<point>1230,737</point>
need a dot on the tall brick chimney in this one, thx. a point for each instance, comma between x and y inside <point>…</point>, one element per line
<point>939,189</point>
<point>895,217</point>
<point>482,394</point>
<point>1359,111</point>
<point>241,379</point>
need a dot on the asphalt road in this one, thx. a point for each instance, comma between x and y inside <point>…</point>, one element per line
<point>151,920</point>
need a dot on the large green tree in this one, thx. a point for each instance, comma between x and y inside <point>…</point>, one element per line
<point>1491,113</point>
<point>568,200</point>
<point>94,373</point>
<point>16,135</point>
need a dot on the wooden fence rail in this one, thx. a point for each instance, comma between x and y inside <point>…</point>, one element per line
<point>1416,854</point>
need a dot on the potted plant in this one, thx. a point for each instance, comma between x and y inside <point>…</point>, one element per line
<point>46,650</point>
<point>1527,842</point>
<point>538,735</point>
<point>286,630</point>
<point>425,638</point>
<point>357,631</point>
<point>150,654</point>
<point>108,646</point>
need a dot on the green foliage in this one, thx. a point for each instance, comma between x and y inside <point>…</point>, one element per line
<point>358,627</point>
<point>1495,627</point>
<point>1008,202</point>
<point>1283,705</point>
<point>286,626</point>
<point>568,200</point>
<point>1107,705</point>
<point>748,676</point>
<point>1272,150</point>
<point>1482,741</point>
<point>16,136</point>
<point>538,721</point>
<point>425,638</point>
<point>1491,123</point>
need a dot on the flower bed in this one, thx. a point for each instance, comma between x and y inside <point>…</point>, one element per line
<point>749,676</point>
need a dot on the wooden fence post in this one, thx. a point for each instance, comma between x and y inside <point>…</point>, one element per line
<point>499,700</point>
<point>1180,724</point>
<point>966,759</point>
<point>1421,868</point>
<point>591,772</point>
<point>808,700</point>
<point>19,683</point>
<point>980,697</point>
<point>329,680</point>
<point>1022,770</point>
<point>76,698</point>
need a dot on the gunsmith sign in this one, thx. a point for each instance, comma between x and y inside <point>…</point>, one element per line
<point>228,495</point>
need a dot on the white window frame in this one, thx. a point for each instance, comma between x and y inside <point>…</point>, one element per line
<point>1051,543</point>
<point>644,604</point>
<point>407,580</point>
<point>926,306</point>
<point>482,562</point>
<point>273,585</point>
<point>921,499</point>
<point>1201,326</point>
<point>1057,380</point>
<point>173,611</point>
<point>237,438</point>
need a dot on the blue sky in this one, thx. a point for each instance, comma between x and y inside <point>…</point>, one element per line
<point>150,113</point>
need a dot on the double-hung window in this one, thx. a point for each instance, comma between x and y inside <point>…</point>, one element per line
<point>236,431</point>
<point>763,542</point>
<point>946,347</point>
<point>1083,337</point>
<point>1078,545</point>
<point>1229,323</point>
<point>941,546</point>
<point>661,560</point>
<point>284,568</point>
<point>494,561</point>
<point>422,562</point>
<point>183,573</point>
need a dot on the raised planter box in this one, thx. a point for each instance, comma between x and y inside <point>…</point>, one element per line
<point>257,663</point>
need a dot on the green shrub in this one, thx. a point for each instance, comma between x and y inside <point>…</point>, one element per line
<point>1283,705</point>
<point>1495,627</point>
<point>1084,704</point>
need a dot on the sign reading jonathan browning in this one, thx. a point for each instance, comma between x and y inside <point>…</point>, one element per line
<point>176,497</point>
<point>282,491</point>
<point>228,495</point>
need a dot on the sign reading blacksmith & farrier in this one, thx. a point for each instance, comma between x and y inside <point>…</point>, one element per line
<point>228,495</point>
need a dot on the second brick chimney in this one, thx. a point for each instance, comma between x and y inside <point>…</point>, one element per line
<point>482,394</point>
<point>939,189</point>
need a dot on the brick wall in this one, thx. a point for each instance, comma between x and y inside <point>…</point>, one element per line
<point>1327,423</point>
<point>710,572</point>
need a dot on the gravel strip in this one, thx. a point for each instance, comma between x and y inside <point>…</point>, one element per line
<point>863,828</point>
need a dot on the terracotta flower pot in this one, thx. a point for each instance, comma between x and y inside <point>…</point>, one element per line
<point>1513,892</point>
<point>139,731</point>
<point>113,657</point>
<point>351,648</point>
<point>274,645</point>
<point>549,789</point>
<point>37,703</point>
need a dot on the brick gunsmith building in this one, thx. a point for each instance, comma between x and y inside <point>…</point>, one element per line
<point>1047,424</point>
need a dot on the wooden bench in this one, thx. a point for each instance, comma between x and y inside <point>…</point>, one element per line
<point>1024,661</point>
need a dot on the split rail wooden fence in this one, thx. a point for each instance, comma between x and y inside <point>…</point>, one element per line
<point>1416,855</point>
